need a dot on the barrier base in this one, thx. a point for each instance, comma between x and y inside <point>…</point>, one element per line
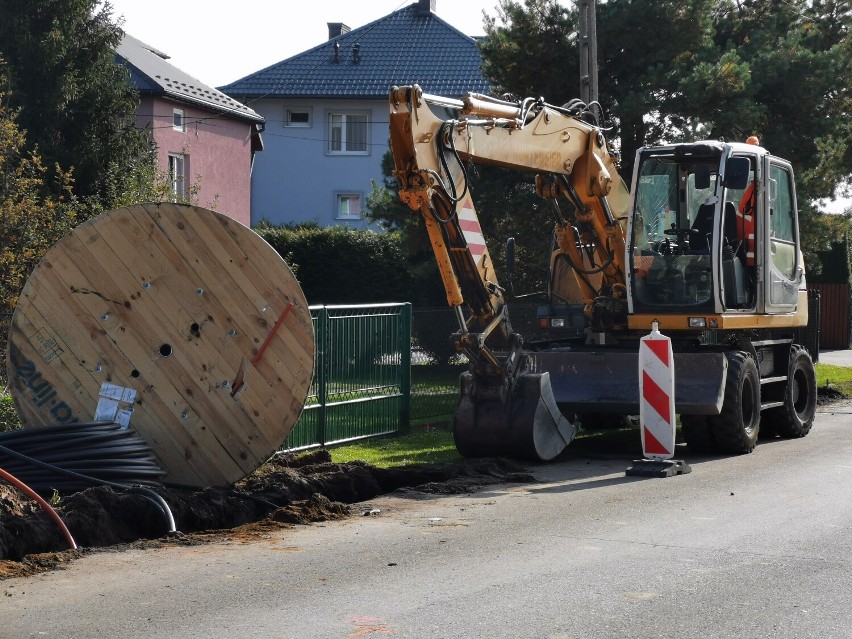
<point>658,468</point>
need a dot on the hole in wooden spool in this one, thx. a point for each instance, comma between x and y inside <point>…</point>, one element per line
<point>134,373</point>
<point>166,350</point>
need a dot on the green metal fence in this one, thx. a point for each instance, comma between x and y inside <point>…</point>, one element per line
<point>362,375</point>
<point>381,368</point>
<point>435,365</point>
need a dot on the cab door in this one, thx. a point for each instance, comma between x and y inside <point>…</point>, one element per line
<point>783,267</point>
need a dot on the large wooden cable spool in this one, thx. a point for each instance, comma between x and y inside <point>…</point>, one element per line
<point>200,321</point>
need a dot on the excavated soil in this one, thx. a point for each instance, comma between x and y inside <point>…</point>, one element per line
<point>286,491</point>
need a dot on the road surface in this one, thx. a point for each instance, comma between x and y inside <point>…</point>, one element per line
<point>751,546</point>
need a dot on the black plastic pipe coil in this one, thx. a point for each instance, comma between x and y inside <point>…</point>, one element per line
<point>100,451</point>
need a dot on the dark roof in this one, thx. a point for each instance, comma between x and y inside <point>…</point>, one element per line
<point>150,74</point>
<point>407,46</point>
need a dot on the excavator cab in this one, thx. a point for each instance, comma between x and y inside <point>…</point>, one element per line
<point>687,254</point>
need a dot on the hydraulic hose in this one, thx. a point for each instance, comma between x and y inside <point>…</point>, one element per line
<point>17,483</point>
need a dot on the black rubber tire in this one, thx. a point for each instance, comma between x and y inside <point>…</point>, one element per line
<point>795,418</point>
<point>736,428</point>
<point>697,434</point>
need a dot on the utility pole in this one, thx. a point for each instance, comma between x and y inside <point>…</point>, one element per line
<point>588,37</point>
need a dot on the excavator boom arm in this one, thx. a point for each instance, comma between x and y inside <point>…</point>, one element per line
<point>529,136</point>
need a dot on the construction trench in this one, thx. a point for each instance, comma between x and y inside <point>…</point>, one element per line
<point>158,357</point>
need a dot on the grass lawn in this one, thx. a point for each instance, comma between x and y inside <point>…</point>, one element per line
<point>424,444</point>
<point>836,377</point>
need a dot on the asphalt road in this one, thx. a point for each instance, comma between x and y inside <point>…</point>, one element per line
<point>752,546</point>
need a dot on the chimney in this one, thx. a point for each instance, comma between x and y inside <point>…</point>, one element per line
<point>336,29</point>
<point>425,7</point>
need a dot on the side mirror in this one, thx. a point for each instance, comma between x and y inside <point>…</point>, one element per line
<point>736,173</point>
<point>510,256</point>
<point>702,177</point>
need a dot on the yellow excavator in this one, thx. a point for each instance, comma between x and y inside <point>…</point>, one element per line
<point>705,243</point>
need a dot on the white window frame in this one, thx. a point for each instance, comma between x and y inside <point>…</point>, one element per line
<point>177,175</point>
<point>179,120</point>
<point>349,196</point>
<point>290,111</point>
<point>341,139</point>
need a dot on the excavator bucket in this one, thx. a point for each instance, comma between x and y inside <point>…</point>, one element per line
<point>528,425</point>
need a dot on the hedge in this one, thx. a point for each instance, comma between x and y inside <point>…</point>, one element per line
<point>340,265</point>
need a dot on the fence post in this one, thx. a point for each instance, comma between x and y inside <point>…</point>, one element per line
<point>405,365</point>
<point>321,372</point>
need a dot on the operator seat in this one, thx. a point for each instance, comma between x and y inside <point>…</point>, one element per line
<point>703,223</point>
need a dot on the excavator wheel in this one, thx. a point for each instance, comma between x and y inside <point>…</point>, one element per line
<point>736,428</point>
<point>795,418</point>
<point>527,426</point>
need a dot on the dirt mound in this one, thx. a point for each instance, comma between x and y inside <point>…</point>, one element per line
<point>829,394</point>
<point>285,491</point>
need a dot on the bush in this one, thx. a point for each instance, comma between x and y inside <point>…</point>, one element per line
<point>8,415</point>
<point>340,265</point>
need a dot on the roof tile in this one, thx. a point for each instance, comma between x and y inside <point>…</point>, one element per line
<point>404,47</point>
<point>151,74</point>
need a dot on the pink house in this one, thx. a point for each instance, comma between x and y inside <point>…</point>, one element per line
<point>205,140</point>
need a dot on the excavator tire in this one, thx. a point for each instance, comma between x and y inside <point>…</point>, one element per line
<point>697,434</point>
<point>795,418</point>
<point>736,428</point>
<point>527,426</point>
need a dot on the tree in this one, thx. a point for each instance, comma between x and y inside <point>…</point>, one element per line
<point>674,70</point>
<point>30,222</point>
<point>797,60</point>
<point>790,65</point>
<point>531,51</point>
<point>75,103</point>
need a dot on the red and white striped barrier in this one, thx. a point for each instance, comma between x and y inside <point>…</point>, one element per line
<point>472,231</point>
<point>656,389</point>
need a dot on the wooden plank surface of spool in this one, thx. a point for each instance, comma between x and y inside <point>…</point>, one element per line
<point>193,312</point>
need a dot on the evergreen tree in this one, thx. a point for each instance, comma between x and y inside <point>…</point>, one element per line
<point>530,50</point>
<point>678,70</point>
<point>75,103</point>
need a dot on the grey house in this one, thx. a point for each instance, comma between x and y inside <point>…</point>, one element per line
<point>326,111</point>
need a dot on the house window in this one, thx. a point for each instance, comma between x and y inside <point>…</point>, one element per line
<point>297,117</point>
<point>178,120</point>
<point>177,175</point>
<point>347,133</point>
<point>348,206</point>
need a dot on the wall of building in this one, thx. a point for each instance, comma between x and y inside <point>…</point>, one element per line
<point>217,150</point>
<point>296,179</point>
